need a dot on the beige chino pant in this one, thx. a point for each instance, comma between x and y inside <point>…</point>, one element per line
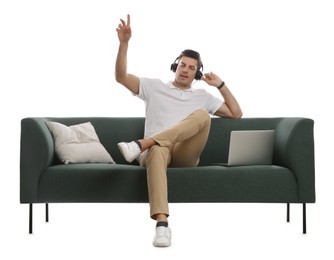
<point>178,146</point>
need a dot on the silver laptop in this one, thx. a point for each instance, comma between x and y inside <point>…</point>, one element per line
<point>250,147</point>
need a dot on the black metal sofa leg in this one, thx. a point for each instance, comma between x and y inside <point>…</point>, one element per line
<point>46,212</point>
<point>31,215</point>
<point>30,218</point>
<point>304,218</point>
<point>304,215</point>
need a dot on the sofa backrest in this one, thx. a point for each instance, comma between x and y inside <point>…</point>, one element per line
<point>112,130</point>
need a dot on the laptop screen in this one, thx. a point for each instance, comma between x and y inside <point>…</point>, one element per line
<point>250,147</point>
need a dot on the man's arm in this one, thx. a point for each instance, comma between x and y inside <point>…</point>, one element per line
<point>230,108</point>
<point>131,82</point>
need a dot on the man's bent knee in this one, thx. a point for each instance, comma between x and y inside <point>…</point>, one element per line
<point>203,116</point>
<point>201,113</point>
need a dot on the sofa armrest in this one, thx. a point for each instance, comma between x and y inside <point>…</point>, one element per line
<point>36,154</point>
<point>294,149</point>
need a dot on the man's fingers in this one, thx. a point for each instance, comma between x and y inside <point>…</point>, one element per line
<point>123,23</point>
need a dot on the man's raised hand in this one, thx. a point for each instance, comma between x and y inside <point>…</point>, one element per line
<point>124,30</point>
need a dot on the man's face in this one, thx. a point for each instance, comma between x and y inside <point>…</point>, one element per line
<point>186,71</point>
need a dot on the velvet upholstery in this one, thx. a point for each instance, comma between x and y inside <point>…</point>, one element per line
<point>291,178</point>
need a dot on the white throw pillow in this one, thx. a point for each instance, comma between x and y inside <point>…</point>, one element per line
<point>78,144</point>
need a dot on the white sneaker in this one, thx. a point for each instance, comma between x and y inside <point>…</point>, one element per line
<point>130,151</point>
<point>163,237</point>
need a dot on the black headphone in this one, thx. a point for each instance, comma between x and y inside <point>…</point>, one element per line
<point>191,54</point>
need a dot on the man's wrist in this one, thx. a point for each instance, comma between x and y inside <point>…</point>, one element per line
<point>221,85</point>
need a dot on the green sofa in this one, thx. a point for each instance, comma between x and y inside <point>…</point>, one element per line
<point>290,179</point>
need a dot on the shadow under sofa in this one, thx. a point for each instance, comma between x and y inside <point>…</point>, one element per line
<point>290,178</point>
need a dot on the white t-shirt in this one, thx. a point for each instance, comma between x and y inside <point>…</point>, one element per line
<point>166,105</point>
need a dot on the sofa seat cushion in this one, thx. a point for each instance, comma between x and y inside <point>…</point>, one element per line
<point>127,183</point>
<point>93,182</point>
<point>256,183</point>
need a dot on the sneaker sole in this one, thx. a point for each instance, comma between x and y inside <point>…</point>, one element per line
<point>162,244</point>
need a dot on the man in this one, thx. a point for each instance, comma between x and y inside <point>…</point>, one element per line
<point>177,122</point>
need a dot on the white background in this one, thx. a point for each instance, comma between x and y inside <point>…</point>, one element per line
<point>57,59</point>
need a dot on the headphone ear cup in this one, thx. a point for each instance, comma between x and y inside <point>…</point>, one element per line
<point>173,67</point>
<point>199,75</point>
